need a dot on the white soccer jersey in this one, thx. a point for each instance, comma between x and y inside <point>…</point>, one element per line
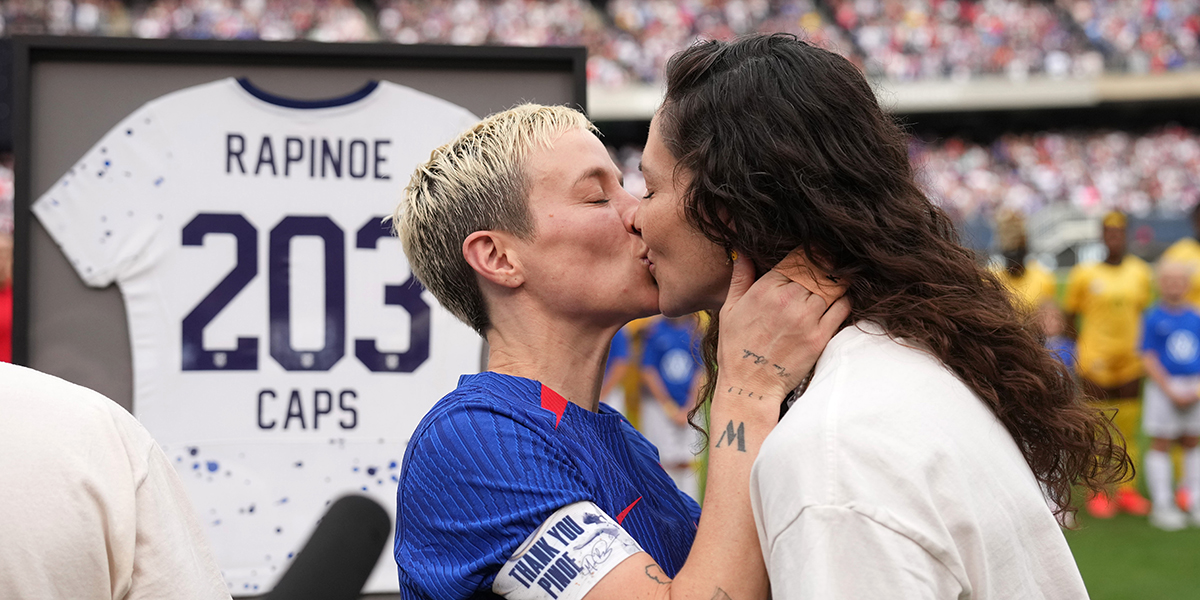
<point>283,353</point>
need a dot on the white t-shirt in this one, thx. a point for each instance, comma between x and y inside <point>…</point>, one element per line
<point>90,507</point>
<point>283,353</point>
<point>889,478</point>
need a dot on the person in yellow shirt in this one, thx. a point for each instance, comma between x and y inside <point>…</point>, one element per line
<point>1187,251</point>
<point>1030,282</point>
<point>1107,299</point>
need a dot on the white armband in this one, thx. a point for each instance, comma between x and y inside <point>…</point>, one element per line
<point>567,556</point>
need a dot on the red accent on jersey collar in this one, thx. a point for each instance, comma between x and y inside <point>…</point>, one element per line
<point>554,403</point>
<point>621,517</point>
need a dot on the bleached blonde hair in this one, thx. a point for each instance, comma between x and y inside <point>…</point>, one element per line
<point>475,183</point>
<point>1167,267</point>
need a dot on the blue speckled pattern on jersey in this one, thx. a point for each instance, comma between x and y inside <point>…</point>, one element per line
<point>488,465</point>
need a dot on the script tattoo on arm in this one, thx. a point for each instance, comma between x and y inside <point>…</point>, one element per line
<point>730,435</point>
<point>654,572</point>
<point>758,358</point>
<point>782,371</point>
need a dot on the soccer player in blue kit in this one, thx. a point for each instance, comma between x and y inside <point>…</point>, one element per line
<point>612,390</point>
<point>519,483</point>
<point>671,371</point>
<point>1171,411</point>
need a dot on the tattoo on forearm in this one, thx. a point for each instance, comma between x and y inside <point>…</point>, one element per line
<point>742,392</point>
<point>655,573</point>
<point>730,435</point>
<point>758,358</point>
<point>721,595</point>
<point>762,360</point>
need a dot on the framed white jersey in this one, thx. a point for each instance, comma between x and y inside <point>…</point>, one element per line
<point>283,352</point>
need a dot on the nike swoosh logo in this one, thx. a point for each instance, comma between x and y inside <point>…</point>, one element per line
<point>621,517</point>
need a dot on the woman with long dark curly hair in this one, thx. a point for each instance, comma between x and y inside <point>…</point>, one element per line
<point>910,466</point>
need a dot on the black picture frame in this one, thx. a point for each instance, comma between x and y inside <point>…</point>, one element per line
<point>30,51</point>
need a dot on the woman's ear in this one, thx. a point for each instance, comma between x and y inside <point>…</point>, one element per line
<point>492,255</point>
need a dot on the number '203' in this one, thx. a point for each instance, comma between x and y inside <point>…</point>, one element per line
<point>245,356</point>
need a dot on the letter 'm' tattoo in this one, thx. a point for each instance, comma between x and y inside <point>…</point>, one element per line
<point>721,595</point>
<point>730,434</point>
<point>653,571</point>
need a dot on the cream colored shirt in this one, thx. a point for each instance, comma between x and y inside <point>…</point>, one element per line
<point>889,478</point>
<point>90,507</point>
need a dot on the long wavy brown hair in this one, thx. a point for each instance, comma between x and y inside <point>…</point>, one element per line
<point>788,147</point>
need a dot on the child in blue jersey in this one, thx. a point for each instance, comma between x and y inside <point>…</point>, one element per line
<point>1171,352</point>
<point>520,483</point>
<point>1054,327</point>
<point>612,391</point>
<point>671,373</point>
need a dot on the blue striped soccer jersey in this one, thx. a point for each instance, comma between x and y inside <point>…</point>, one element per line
<point>490,467</point>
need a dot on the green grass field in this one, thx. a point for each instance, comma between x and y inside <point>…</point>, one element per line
<point>1127,559</point>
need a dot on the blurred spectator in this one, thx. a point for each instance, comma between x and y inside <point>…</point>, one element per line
<point>671,375</point>
<point>6,322</point>
<point>907,40</point>
<point>1171,352</point>
<point>612,390</point>
<point>1107,300</point>
<point>629,160</point>
<point>6,257</point>
<point>1187,251</point>
<point>1030,282</point>
<point>1141,36</point>
<point>6,193</point>
<point>1054,327</point>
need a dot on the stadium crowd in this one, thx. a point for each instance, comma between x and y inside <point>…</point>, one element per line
<point>275,20</point>
<point>1155,36</point>
<point>938,39</point>
<point>630,40</point>
<point>1156,173</point>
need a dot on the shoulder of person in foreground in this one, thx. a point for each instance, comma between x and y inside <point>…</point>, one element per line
<point>872,484</point>
<point>90,504</point>
<point>493,498</point>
